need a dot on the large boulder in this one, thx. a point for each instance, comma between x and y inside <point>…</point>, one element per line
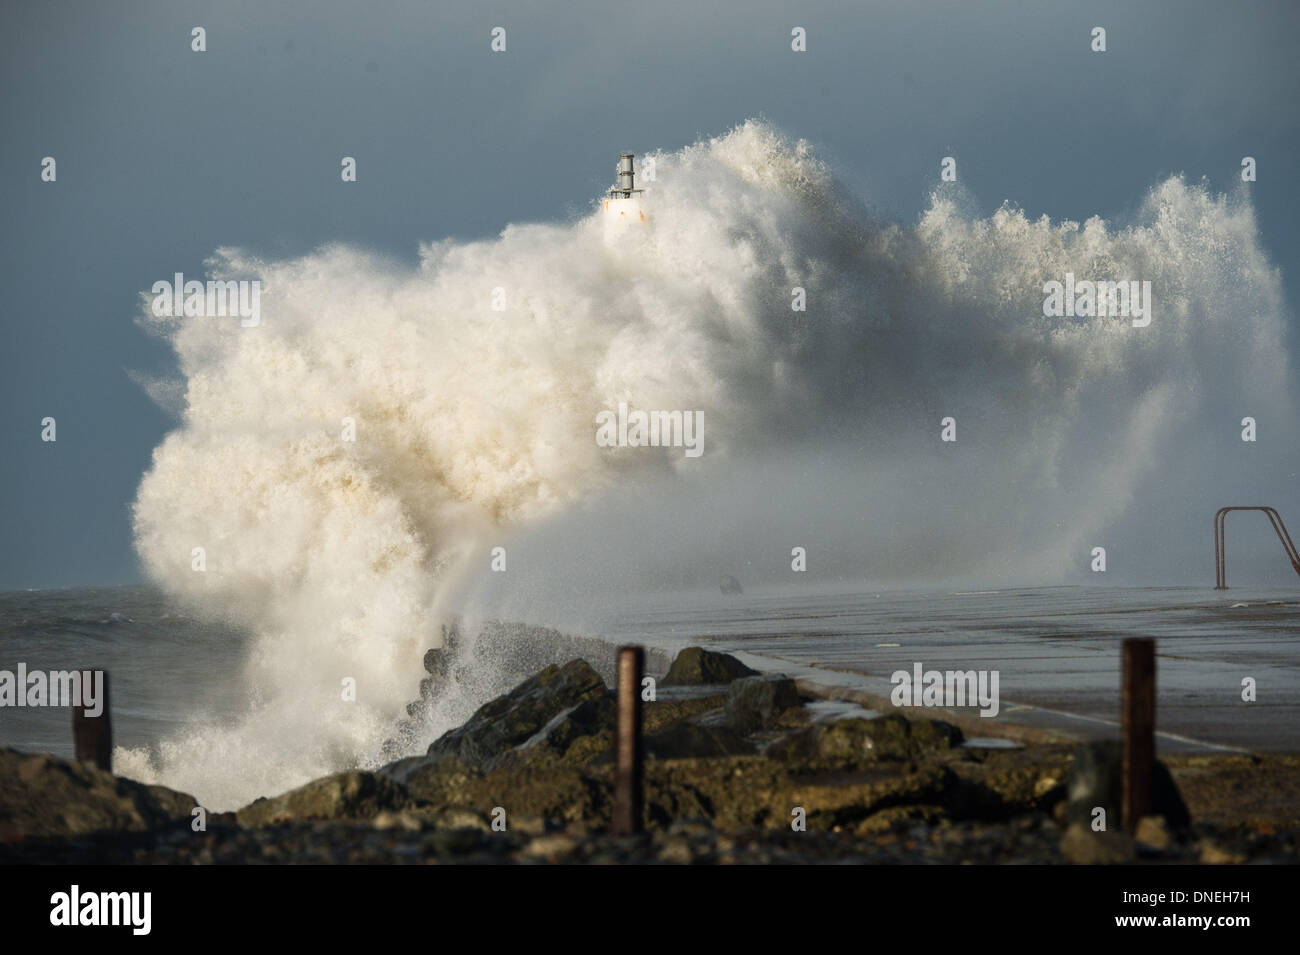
<point>353,795</point>
<point>438,660</point>
<point>852,742</point>
<point>1096,779</point>
<point>756,701</point>
<point>514,719</point>
<point>42,795</point>
<point>591,721</point>
<point>695,666</point>
<point>729,585</point>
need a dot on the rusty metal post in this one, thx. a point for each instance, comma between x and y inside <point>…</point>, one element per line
<point>93,735</point>
<point>1220,555</point>
<point>1221,540</point>
<point>1138,722</point>
<point>628,783</point>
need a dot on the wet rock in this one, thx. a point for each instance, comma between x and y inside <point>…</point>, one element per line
<point>1003,782</point>
<point>757,701</point>
<point>753,791</point>
<point>41,795</point>
<point>852,742</point>
<point>897,817</point>
<point>1153,833</point>
<point>440,664</point>
<point>1082,846</point>
<point>736,791</point>
<point>690,741</point>
<point>842,804</point>
<point>692,828</point>
<point>406,821</point>
<point>675,851</point>
<point>527,825</point>
<point>551,848</point>
<point>1096,780</point>
<point>512,720</point>
<point>590,718</point>
<point>458,817</point>
<point>435,661</point>
<point>557,794</point>
<point>929,735</point>
<point>1214,853</point>
<point>353,795</point>
<point>695,666</point>
<point>664,712</point>
<point>730,585</point>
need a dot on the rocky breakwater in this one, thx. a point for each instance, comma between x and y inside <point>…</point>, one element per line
<point>740,768</point>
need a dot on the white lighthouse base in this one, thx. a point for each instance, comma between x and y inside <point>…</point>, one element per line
<point>622,214</point>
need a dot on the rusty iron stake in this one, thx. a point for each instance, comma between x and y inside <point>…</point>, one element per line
<point>628,784</point>
<point>93,735</point>
<point>1138,722</point>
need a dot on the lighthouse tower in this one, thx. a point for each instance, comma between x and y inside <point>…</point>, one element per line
<point>622,205</point>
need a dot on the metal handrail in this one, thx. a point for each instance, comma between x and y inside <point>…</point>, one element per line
<point>1220,541</point>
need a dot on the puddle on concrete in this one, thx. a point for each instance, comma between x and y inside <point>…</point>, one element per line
<point>832,711</point>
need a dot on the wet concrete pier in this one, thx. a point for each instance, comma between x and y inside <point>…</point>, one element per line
<point>1056,649</point>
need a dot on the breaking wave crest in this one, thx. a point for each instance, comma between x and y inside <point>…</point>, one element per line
<point>341,558</point>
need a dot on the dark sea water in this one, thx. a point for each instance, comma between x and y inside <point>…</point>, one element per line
<point>165,668</point>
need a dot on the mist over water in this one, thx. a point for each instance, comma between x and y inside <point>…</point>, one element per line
<point>475,428</point>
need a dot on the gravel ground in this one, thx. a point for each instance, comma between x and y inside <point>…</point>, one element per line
<point>1029,840</point>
